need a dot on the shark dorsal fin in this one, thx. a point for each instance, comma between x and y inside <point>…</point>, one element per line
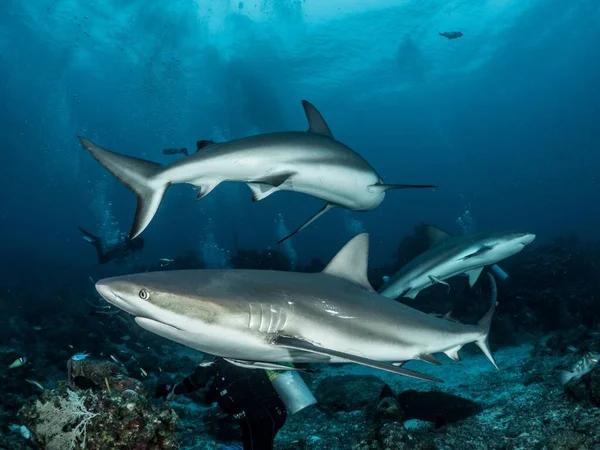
<point>435,235</point>
<point>316,123</point>
<point>352,261</point>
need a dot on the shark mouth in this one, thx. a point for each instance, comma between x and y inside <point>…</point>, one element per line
<point>154,325</point>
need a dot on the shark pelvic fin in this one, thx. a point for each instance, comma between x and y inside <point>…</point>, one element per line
<point>137,174</point>
<point>434,234</point>
<point>352,262</point>
<point>485,322</point>
<point>299,344</point>
<point>453,353</point>
<point>316,123</point>
<point>326,207</point>
<point>387,187</point>
<point>474,275</point>
<point>261,191</point>
<point>205,188</point>
<point>436,280</point>
<point>263,365</point>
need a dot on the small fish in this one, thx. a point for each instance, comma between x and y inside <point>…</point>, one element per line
<point>18,362</point>
<point>70,346</point>
<point>581,367</point>
<point>107,384</point>
<point>37,328</point>
<point>159,369</point>
<point>451,34</point>
<point>114,358</point>
<point>572,348</point>
<point>80,356</point>
<point>166,260</point>
<point>143,372</point>
<point>35,383</point>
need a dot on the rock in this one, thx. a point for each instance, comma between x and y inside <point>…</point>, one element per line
<point>348,393</point>
<point>438,407</point>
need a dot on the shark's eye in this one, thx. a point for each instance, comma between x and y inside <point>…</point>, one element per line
<point>144,294</point>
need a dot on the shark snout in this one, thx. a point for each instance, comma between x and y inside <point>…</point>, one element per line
<point>104,289</point>
<point>526,238</point>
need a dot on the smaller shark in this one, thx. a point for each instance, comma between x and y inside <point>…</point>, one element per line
<point>450,256</point>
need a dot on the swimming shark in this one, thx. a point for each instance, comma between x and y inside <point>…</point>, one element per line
<point>264,318</point>
<point>310,162</point>
<point>450,256</point>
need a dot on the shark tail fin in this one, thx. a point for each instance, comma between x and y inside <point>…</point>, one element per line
<point>485,322</point>
<point>137,174</point>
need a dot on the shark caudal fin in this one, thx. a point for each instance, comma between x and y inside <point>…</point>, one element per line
<point>137,174</point>
<point>485,322</point>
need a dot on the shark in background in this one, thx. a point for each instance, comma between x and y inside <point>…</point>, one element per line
<point>310,162</point>
<point>263,319</point>
<point>449,256</point>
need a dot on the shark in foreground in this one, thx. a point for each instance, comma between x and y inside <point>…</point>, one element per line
<point>311,162</point>
<point>450,256</point>
<point>263,318</point>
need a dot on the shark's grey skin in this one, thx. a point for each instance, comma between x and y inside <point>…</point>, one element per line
<point>260,319</point>
<point>311,162</point>
<point>451,256</point>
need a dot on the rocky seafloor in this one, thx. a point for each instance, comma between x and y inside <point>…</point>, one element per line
<point>547,319</point>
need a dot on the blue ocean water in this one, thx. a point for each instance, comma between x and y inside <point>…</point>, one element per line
<point>504,119</point>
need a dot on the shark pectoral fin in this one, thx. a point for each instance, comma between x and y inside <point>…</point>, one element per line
<point>326,207</point>
<point>399,364</point>
<point>474,275</point>
<point>205,188</point>
<point>352,261</point>
<point>266,186</point>
<point>316,123</point>
<point>263,365</point>
<point>387,187</point>
<point>453,353</point>
<point>261,191</point>
<point>436,280</point>
<point>479,252</point>
<point>299,344</point>
<point>275,180</point>
<point>429,359</point>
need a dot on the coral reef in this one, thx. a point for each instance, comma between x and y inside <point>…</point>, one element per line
<point>112,411</point>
